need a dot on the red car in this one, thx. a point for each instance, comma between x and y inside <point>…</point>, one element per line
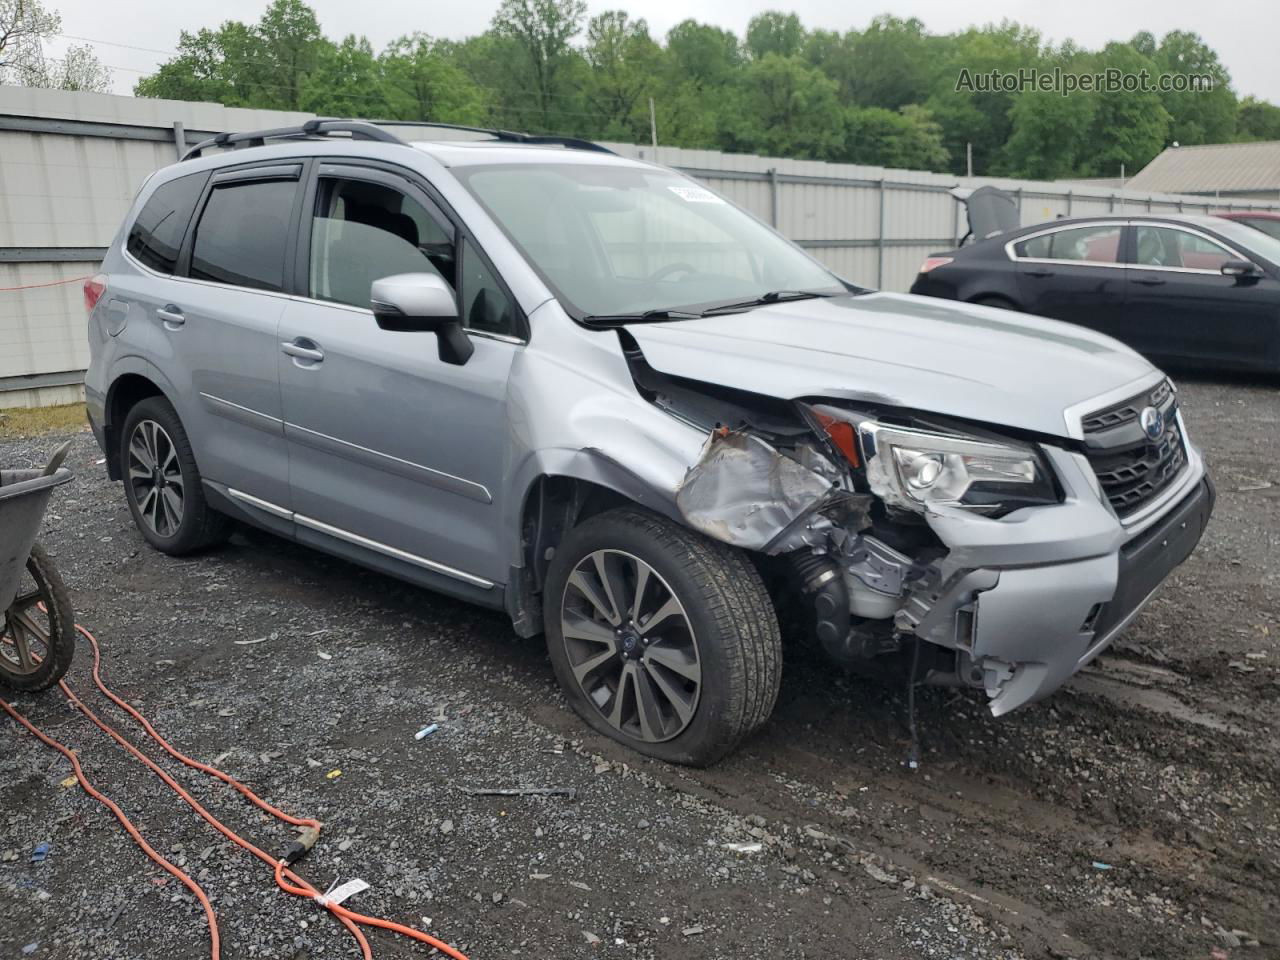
<point>1264,220</point>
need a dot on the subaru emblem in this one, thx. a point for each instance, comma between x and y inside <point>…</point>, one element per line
<point>1152,421</point>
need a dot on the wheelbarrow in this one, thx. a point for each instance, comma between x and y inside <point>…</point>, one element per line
<point>37,624</point>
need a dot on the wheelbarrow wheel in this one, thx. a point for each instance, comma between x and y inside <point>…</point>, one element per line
<point>37,639</point>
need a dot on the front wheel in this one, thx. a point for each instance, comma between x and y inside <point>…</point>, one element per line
<point>37,632</point>
<point>661,638</point>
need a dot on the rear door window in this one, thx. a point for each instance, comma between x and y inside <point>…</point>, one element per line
<point>1099,243</point>
<point>243,232</point>
<point>156,235</point>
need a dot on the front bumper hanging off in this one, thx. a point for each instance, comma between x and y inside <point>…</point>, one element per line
<point>1024,626</point>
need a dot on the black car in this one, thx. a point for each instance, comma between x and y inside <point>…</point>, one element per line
<point>1184,290</point>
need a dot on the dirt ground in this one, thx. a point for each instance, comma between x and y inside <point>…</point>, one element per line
<point>1133,815</point>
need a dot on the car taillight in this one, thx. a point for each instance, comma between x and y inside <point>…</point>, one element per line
<point>931,263</point>
<point>94,288</point>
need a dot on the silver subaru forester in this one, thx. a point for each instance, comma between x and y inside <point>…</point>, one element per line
<point>591,392</point>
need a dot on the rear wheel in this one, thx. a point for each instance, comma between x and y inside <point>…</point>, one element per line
<point>37,632</point>
<point>661,639</point>
<point>162,483</point>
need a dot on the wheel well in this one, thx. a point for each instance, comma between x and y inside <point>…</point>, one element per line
<point>124,395</point>
<point>553,507</point>
<point>992,298</point>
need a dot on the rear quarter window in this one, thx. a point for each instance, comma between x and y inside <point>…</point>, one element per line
<point>156,235</point>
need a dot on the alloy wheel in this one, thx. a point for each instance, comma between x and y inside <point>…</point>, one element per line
<point>630,645</point>
<point>155,478</point>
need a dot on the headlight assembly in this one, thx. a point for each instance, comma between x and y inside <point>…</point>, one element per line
<point>912,468</point>
<point>924,468</point>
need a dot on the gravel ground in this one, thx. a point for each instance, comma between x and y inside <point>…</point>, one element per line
<point>1133,815</point>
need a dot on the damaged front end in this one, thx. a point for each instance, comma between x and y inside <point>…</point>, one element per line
<point>999,553</point>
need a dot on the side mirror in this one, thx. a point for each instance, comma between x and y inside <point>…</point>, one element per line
<point>1241,270</point>
<point>422,302</point>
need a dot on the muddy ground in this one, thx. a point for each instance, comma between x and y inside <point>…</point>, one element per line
<point>1133,815</point>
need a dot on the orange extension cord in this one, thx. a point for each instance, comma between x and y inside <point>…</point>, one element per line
<point>295,884</point>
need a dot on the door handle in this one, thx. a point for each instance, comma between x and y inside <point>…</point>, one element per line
<point>303,349</point>
<point>1149,281</point>
<point>171,316</point>
<point>1039,273</point>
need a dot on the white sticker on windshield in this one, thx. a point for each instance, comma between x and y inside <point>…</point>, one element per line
<point>695,195</point>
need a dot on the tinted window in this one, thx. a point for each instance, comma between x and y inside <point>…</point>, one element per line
<point>156,236</point>
<point>484,305</point>
<point>362,231</point>
<point>1096,244</point>
<point>1169,247</point>
<point>241,236</point>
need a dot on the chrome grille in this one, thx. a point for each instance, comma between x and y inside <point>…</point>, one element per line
<point>1132,468</point>
<point>1127,412</point>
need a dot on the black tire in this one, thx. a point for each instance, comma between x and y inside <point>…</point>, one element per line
<point>198,526</point>
<point>729,617</point>
<point>56,626</point>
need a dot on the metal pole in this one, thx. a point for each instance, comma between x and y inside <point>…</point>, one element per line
<point>179,138</point>
<point>773,197</point>
<point>653,126</point>
<point>968,154</point>
<point>880,242</point>
<point>1068,203</point>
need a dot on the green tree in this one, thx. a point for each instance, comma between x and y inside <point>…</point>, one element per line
<point>1128,127</point>
<point>982,118</point>
<point>774,32</point>
<point>540,32</point>
<point>1196,115</point>
<point>1051,134</point>
<point>1257,120</point>
<point>784,107</point>
<point>346,81</point>
<point>705,56</point>
<point>907,139</point>
<point>265,65</point>
<point>891,63</point>
<point>423,82</point>
<point>624,62</point>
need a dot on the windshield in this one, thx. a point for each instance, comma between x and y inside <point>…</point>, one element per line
<point>622,240</point>
<point>1250,239</point>
<point>1270,227</point>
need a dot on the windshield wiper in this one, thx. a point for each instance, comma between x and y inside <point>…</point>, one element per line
<point>615,319</point>
<point>773,296</point>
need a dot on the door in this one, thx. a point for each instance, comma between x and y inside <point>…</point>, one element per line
<point>391,448</point>
<point>1073,274</point>
<point>1181,307</point>
<point>223,325</point>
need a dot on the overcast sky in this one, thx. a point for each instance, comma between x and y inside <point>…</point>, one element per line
<point>1244,32</point>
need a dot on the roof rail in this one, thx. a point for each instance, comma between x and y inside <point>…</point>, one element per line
<point>508,136</point>
<point>359,130</point>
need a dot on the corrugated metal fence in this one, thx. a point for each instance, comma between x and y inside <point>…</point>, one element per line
<point>71,163</point>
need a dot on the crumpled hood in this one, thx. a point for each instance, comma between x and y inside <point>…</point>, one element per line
<point>955,359</point>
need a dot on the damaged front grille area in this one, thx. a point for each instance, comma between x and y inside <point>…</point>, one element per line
<point>1132,468</point>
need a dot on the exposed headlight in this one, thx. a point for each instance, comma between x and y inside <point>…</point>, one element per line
<point>916,468</point>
